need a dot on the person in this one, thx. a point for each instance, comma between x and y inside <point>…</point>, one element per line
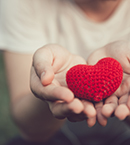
<point>63,33</point>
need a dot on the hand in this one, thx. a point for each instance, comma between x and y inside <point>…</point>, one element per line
<point>48,83</point>
<point>119,102</point>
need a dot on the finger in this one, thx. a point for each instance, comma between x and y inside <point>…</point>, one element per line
<point>124,87</point>
<point>121,56</point>
<point>126,65</point>
<point>61,110</point>
<point>126,61</point>
<point>91,121</point>
<point>51,92</point>
<point>89,109</point>
<point>96,56</point>
<point>89,114</point>
<point>122,110</point>
<point>42,62</point>
<point>102,120</point>
<point>128,102</point>
<point>123,99</point>
<point>110,105</point>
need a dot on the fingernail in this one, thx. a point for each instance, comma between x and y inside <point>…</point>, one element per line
<point>42,75</point>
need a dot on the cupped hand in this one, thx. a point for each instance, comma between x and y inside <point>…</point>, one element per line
<point>117,104</point>
<point>48,83</point>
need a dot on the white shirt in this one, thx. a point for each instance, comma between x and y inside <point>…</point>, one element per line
<point>29,24</point>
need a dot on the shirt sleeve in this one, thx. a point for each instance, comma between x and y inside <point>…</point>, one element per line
<point>20,27</point>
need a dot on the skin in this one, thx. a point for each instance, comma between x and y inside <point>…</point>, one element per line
<point>104,110</point>
<point>98,10</point>
<point>27,111</point>
<point>51,97</point>
<point>61,100</point>
<point>118,103</point>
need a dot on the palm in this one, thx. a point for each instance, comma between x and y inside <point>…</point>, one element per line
<point>124,88</point>
<point>60,75</point>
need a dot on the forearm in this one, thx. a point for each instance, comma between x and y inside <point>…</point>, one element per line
<point>31,115</point>
<point>34,119</point>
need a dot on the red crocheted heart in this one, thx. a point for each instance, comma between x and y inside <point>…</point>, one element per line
<point>96,82</point>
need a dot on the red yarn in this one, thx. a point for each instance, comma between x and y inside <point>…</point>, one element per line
<point>96,82</point>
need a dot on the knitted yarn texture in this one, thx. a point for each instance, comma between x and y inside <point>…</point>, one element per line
<point>95,82</point>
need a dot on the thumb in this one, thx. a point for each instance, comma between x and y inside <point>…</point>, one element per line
<point>96,56</point>
<point>42,62</point>
<point>126,65</point>
<point>47,74</point>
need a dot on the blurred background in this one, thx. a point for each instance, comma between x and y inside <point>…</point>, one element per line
<point>7,128</point>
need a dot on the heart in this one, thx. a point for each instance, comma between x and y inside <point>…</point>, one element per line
<point>95,82</point>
